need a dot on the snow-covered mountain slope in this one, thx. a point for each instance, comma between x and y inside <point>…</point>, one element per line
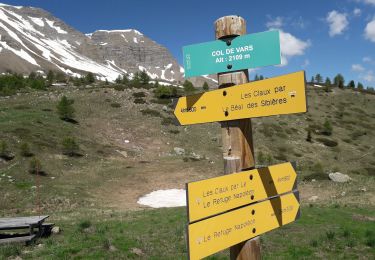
<point>31,39</point>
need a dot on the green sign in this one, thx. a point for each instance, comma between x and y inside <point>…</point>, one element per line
<point>242,52</point>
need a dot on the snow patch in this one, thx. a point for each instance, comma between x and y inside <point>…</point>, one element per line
<point>5,5</point>
<point>164,199</point>
<point>57,28</point>
<point>37,21</point>
<point>120,31</point>
<point>135,40</point>
<point>151,75</point>
<point>21,53</point>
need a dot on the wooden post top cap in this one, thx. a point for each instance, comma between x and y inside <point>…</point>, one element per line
<point>231,25</point>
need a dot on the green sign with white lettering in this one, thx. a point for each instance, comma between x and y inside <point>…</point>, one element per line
<point>242,52</point>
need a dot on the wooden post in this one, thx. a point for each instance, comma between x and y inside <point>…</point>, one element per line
<point>238,150</point>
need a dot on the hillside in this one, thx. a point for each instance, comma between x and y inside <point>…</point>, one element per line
<point>127,149</point>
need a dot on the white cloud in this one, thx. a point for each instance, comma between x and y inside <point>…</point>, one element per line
<point>367,59</point>
<point>306,63</point>
<point>338,22</point>
<point>357,12</point>
<point>369,76</point>
<point>370,31</point>
<point>371,2</point>
<point>291,46</point>
<point>357,68</point>
<point>278,22</point>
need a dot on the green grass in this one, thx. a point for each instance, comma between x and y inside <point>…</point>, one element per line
<point>160,234</point>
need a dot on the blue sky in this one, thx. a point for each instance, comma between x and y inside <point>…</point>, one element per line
<point>320,36</point>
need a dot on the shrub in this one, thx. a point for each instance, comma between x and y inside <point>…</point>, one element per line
<point>168,121</point>
<point>327,142</point>
<point>65,108</point>
<point>330,235</point>
<point>25,150</point>
<point>314,243</point>
<point>119,87</point>
<point>3,149</point>
<point>165,92</point>
<point>35,166</point>
<point>116,105</point>
<point>151,112</point>
<point>308,138</point>
<point>174,131</point>
<point>70,147</point>
<point>139,94</point>
<point>84,224</point>
<point>139,101</point>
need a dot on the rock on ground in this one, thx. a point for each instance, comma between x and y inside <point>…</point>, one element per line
<point>339,177</point>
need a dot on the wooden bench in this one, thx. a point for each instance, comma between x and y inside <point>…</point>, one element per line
<point>7,225</point>
<point>26,239</point>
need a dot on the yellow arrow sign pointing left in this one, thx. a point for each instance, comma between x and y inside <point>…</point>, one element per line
<point>275,96</point>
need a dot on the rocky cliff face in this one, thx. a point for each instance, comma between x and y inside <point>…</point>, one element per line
<point>133,51</point>
<point>32,39</point>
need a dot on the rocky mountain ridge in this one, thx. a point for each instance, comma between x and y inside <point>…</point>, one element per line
<point>32,39</point>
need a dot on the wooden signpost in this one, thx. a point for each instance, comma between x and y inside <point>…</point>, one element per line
<point>233,210</point>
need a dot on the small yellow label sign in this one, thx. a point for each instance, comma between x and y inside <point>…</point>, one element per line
<point>211,235</point>
<point>275,96</point>
<point>213,196</point>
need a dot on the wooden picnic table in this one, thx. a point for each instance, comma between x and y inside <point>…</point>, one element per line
<point>30,223</point>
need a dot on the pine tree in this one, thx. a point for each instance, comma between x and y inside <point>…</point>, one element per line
<point>359,86</point>
<point>144,78</point>
<point>328,82</point>
<point>70,146</point>
<point>90,78</point>
<point>125,79</point>
<point>327,128</point>
<point>351,84</point>
<point>339,81</point>
<point>156,84</point>
<point>65,108</point>
<point>136,80</point>
<point>256,77</point>
<point>261,77</point>
<point>318,78</point>
<point>205,86</point>
<point>118,80</point>
<point>188,87</point>
<point>50,76</point>
<point>32,75</point>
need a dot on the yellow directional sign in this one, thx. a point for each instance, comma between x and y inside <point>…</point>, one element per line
<point>213,196</point>
<point>275,96</point>
<point>211,235</point>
